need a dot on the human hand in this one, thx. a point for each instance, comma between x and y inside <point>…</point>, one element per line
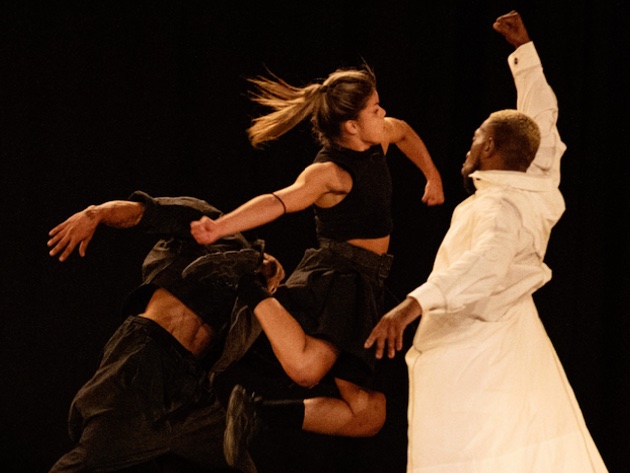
<point>273,271</point>
<point>205,230</point>
<point>388,332</point>
<point>433,193</point>
<point>76,230</point>
<point>511,26</point>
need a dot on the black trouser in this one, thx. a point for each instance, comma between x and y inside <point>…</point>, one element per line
<point>149,397</point>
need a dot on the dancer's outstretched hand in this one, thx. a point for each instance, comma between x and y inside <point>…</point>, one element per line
<point>511,26</point>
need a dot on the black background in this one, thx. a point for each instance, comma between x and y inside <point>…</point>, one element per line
<point>100,98</point>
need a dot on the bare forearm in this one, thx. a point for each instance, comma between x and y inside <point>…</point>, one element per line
<point>414,148</point>
<point>116,213</point>
<point>79,228</point>
<point>258,211</point>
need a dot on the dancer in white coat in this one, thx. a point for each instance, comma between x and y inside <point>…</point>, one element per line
<point>487,390</point>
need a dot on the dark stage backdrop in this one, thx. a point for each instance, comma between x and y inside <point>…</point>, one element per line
<point>100,98</point>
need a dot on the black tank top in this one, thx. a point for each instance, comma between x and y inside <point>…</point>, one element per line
<point>366,211</point>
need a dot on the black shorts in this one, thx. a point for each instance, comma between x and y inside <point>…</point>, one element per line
<point>149,397</point>
<point>337,294</point>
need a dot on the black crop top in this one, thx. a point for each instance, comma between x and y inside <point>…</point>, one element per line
<point>366,211</point>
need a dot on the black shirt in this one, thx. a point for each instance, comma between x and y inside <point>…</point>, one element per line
<point>366,211</point>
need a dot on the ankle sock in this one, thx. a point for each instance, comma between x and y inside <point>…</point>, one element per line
<point>287,413</point>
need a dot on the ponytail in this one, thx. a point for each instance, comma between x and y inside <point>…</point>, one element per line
<point>290,105</point>
<point>339,98</point>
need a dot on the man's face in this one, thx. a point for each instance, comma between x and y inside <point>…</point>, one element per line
<point>479,142</point>
<point>473,157</point>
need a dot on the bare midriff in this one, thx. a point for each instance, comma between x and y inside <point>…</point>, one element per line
<point>380,246</point>
<point>183,324</point>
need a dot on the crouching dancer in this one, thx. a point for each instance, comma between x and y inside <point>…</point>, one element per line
<point>151,397</point>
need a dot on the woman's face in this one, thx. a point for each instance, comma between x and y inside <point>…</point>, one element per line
<point>371,121</point>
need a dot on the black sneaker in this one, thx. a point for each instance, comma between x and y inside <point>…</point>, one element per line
<point>224,267</point>
<point>242,425</point>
